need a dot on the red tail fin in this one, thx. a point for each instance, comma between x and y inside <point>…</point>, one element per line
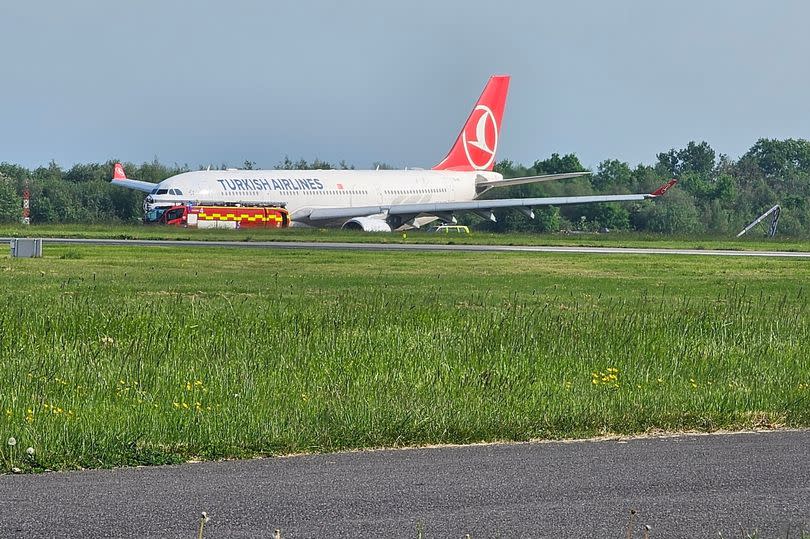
<point>477,143</point>
<point>118,172</point>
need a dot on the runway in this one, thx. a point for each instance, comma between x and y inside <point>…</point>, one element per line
<point>737,485</point>
<point>422,247</point>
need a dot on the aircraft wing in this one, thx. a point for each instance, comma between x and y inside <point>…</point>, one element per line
<point>439,208</point>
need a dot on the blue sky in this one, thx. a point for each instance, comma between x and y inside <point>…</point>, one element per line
<point>202,83</point>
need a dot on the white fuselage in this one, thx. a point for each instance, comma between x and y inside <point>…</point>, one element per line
<point>303,190</point>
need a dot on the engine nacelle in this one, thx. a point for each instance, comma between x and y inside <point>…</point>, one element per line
<point>367,224</point>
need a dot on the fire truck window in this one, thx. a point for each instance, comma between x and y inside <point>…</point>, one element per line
<point>154,214</point>
<point>174,214</point>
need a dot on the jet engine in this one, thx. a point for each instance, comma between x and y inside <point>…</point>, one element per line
<point>367,224</point>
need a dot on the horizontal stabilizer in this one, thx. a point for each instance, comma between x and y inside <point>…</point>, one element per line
<point>528,179</point>
<point>120,178</point>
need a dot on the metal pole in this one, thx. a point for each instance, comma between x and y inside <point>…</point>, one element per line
<point>26,209</point>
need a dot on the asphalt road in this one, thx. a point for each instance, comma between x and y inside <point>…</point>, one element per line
<point>688,486</point>
<point>417,247</point>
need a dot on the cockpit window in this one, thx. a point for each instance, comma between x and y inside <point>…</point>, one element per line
<point>178,192</point>
<point>153,191</point>
<point>162,191</point>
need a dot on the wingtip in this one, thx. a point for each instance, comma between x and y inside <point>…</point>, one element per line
<point>664,188</point>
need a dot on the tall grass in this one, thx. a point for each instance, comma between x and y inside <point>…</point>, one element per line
<point>98,374</point>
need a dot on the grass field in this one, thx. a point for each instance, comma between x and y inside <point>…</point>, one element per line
<point>754,241</point>
<point>112,356</point>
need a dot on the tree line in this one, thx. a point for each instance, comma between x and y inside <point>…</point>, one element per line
<point>715,195</point>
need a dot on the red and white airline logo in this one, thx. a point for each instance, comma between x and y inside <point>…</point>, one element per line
<point>480,146</point>
<point>119,171</point>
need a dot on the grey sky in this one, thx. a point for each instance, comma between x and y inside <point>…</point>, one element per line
<point>221,82</point>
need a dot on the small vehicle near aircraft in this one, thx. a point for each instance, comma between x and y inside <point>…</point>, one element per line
<point>220,216</point>
<point>450,229</point>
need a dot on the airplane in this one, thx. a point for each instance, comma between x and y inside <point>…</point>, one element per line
<point>378,200</point>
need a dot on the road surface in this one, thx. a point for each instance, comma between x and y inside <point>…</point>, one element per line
<point>419,247</point>
<point>687,486</point>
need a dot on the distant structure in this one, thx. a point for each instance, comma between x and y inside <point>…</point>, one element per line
<point>774,213</point>
<point>26,209</point>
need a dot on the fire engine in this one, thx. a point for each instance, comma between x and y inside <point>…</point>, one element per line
<point>219,216</point>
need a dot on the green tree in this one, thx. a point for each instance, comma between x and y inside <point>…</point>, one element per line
<point>780,157</point>
<point>558,165</point>
<point>673,214</point>
<point>10,202</point>
<point>612,173</point>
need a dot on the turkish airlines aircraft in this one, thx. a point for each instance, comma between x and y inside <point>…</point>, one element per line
<point>377,200</point>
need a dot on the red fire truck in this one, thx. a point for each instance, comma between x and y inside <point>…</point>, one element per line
<point>221,216</point>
